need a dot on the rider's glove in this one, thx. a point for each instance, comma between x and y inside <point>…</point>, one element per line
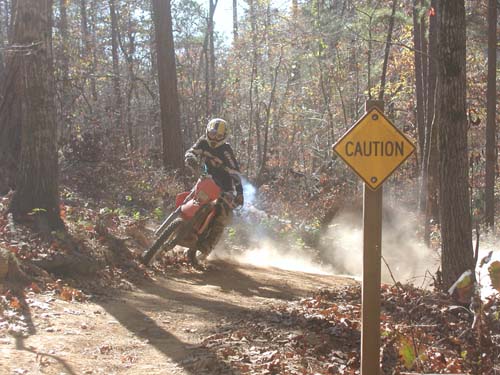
<point>238,200</point>
<point>191,163</point>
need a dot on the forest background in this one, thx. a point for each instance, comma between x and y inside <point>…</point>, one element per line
<point>100,99</point>
<point>291,82</point>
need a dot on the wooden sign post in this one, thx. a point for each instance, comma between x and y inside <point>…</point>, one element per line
<point>373,148</point>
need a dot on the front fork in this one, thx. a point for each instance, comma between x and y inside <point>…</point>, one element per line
<point>174,215</point>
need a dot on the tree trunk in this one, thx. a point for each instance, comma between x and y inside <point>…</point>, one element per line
<point>491,97</point>
<point>169,100</point>
<point>8,18</point>
<point>262,169</point>
<point>2,40</point>
<point>209,53</point>
<point>84,25</point>
<point>424,57</point>
<point>88,44</point>
<point>10,131</point>
<point>430,171</point>
<point>419,78</point>
<point>253,97</point>
<point>387,51</point>
<point>326,95</point>
<point>65,122</point>
<point>213,103</point>
<point>129,58</point>
<point>10,111</point>
<point>235,20</point>
<point>295,9</point>
<point>116,65</point>
<point>30,71</point>
<point>154,129</point>
<point>369,58</point>
<point>456,256</point>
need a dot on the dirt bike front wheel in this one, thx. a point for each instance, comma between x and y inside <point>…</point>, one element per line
<point>166,241</point>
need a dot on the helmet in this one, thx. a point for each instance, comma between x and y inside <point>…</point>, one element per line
<point>216,132</point>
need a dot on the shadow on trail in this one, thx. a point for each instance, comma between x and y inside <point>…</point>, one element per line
<point>131,310</point>
<point>173,290</point>
<point>193,361</point>
<point>225,294</point>
<point>263,323</point>
<point>20,340</point>
<point>229,278</point>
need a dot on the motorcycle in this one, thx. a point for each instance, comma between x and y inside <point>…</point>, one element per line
<point>190,223</point>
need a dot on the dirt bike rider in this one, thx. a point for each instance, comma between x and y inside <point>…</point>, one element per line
<point>222,155</point>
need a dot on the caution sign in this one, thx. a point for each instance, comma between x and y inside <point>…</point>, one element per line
<point>374,148</point>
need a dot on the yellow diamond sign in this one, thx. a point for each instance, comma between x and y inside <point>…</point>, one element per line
<point>374,148</point>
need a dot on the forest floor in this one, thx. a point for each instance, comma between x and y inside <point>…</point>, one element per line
<point>174,324</point>
<point>112,315</point>
<point>232,318</point>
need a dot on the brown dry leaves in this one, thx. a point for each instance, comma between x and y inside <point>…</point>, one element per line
<point>321,335</point>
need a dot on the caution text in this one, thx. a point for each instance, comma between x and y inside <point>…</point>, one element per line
<point>375,148</point>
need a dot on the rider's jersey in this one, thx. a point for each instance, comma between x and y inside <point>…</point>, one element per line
<point>225,153</point>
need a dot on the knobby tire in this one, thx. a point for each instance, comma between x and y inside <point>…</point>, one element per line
<point>164,241</point>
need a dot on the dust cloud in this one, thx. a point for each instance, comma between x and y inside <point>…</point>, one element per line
<point>488,243</point>
<point>252,240</point>
<point>255,241</point>
<point>273,254</point>
<point>407,257</point>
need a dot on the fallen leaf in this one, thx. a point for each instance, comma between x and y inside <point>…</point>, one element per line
<point>15,304</point>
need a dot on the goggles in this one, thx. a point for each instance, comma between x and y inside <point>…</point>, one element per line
<point>213,135</point>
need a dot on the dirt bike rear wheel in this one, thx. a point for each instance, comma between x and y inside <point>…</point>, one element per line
<point>165,242</point>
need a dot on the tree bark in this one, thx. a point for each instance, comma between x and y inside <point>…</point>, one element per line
<point>169,100</point>
<point>253,95</point>
<point>7,6</point>
<point>211,33</point>
<point>430,171</point>
<point>116,64</point>
<point>129,54</point>
<point>387,51</point>
<point>456,256</point>
<point>10,131</point>
<point>295,9</point>
<point>84,25</point>
<point>235,20</point>
<point>491,97</point>
<point>209,53</point>
<point>30,72</point>
<point>89,44</point>
<point>10,111</point>
<point>419,78</point>
<point>65,120</point>
<point>2,40</point>
<point>269,105</point>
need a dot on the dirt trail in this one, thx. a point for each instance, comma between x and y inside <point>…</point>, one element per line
<point>154,328</point>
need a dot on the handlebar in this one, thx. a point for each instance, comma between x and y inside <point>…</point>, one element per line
<point>201,157</point>
<point>218,162</point>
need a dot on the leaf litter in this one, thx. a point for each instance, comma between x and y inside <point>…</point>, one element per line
<point>421,331</point>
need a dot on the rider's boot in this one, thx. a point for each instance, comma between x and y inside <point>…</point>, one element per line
<point>220,221</point>
<point>191,257</point>
<point>212,239</point>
